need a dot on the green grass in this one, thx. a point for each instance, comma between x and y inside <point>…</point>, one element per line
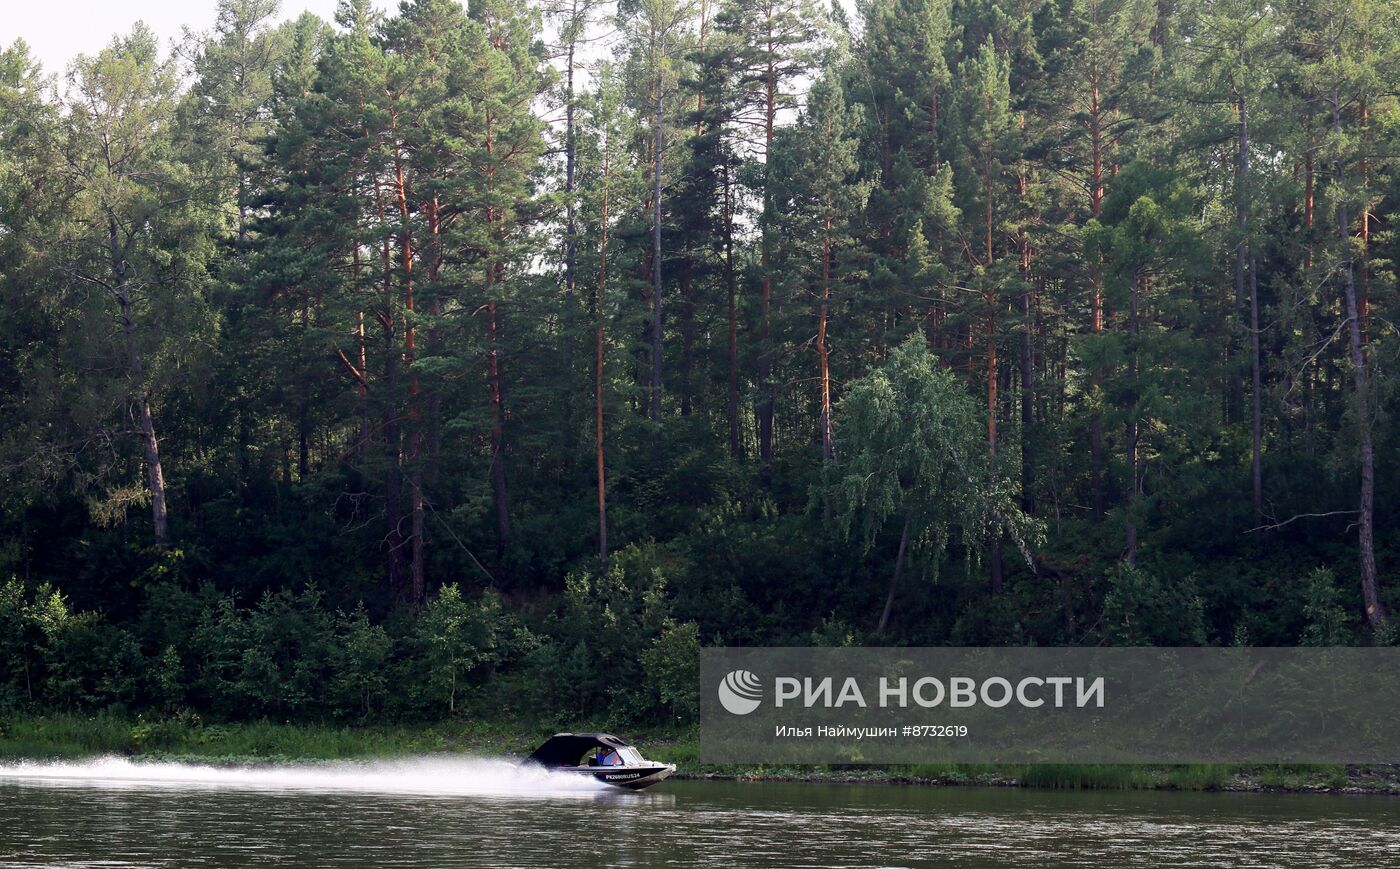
<point>1294,778</point>
<point>1113,776</point>
<point>684,751</point>
<point>1070,776</point>
<point>61,737</point>
<point>1200,777</point>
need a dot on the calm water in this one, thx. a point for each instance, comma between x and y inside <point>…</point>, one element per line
<point>474,813</point>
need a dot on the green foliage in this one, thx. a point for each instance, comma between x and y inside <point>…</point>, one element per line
<point>1143,608</point>
<point>14,646</point>
<point>67,660</point>
<point>167,681</point>
<point>833,633</point>
<point>672,666</point>
<point>1328,623</point>
<point>274,659</point>
<point>458,636</point>
<point>361,662</point>
<point>910,446</point>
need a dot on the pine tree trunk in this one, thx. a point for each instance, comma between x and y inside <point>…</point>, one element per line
<point>418,585</point>
<point>389,410</point>
<point>150,447</point>
<point>703,33</point>
<point>994,563</point>
<point>363,385</point>
<point>1027,360</point>
<point>1370,589</point>
<point>303,442</point>
<point>393,473</point>
<point>598,383</point>
<point>658,311</point>
<point>417,553</point>
<point>1257,389</point>
<point>360,368</point>
<point>828,450</point>
<point>570,161</point>
<point>765,358</point>
<point>1363,300</point>
<point>736,444</point>
<point>1244,264</point>
<point>687,330</point>
<point>500,494</point>
<point>989,300</point>
<point>1027,376</point>
<point>1096,458</point>
<point>432,425</point>
<point>1309,188</point>
<point>1234,385</point>
<point>1130,531</point>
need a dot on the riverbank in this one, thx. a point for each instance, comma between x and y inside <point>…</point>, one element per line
<point>190,740</point>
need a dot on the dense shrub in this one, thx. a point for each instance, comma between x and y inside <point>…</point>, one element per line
<point>1328,621</point>
<point>611,648</point>
<point>672,666</point>
<point>1144,608</point>
<point>289,656</point>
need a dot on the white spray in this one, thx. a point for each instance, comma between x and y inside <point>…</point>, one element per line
<point>430,776</point>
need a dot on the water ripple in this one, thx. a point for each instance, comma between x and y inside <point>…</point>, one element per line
<point>470,813</point>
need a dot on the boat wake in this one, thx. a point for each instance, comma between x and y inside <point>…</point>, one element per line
<point>425,776</point>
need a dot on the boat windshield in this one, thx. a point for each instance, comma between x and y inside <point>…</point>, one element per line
<point>606,757</point>
<point>624,756</point>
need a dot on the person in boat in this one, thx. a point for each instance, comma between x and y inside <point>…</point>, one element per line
<point>609,758</point>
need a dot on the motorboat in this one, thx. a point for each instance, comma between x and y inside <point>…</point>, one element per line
<point>603,756</point>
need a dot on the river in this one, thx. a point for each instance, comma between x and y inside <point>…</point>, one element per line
<point>455,812</point>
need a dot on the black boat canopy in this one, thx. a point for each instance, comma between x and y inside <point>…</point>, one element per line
<point>567,749</point>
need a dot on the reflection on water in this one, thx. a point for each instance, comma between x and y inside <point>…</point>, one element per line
<point>483,813</point>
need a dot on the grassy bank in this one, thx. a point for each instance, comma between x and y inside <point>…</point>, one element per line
<point>1297,778</point>
<point>71,737</point>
